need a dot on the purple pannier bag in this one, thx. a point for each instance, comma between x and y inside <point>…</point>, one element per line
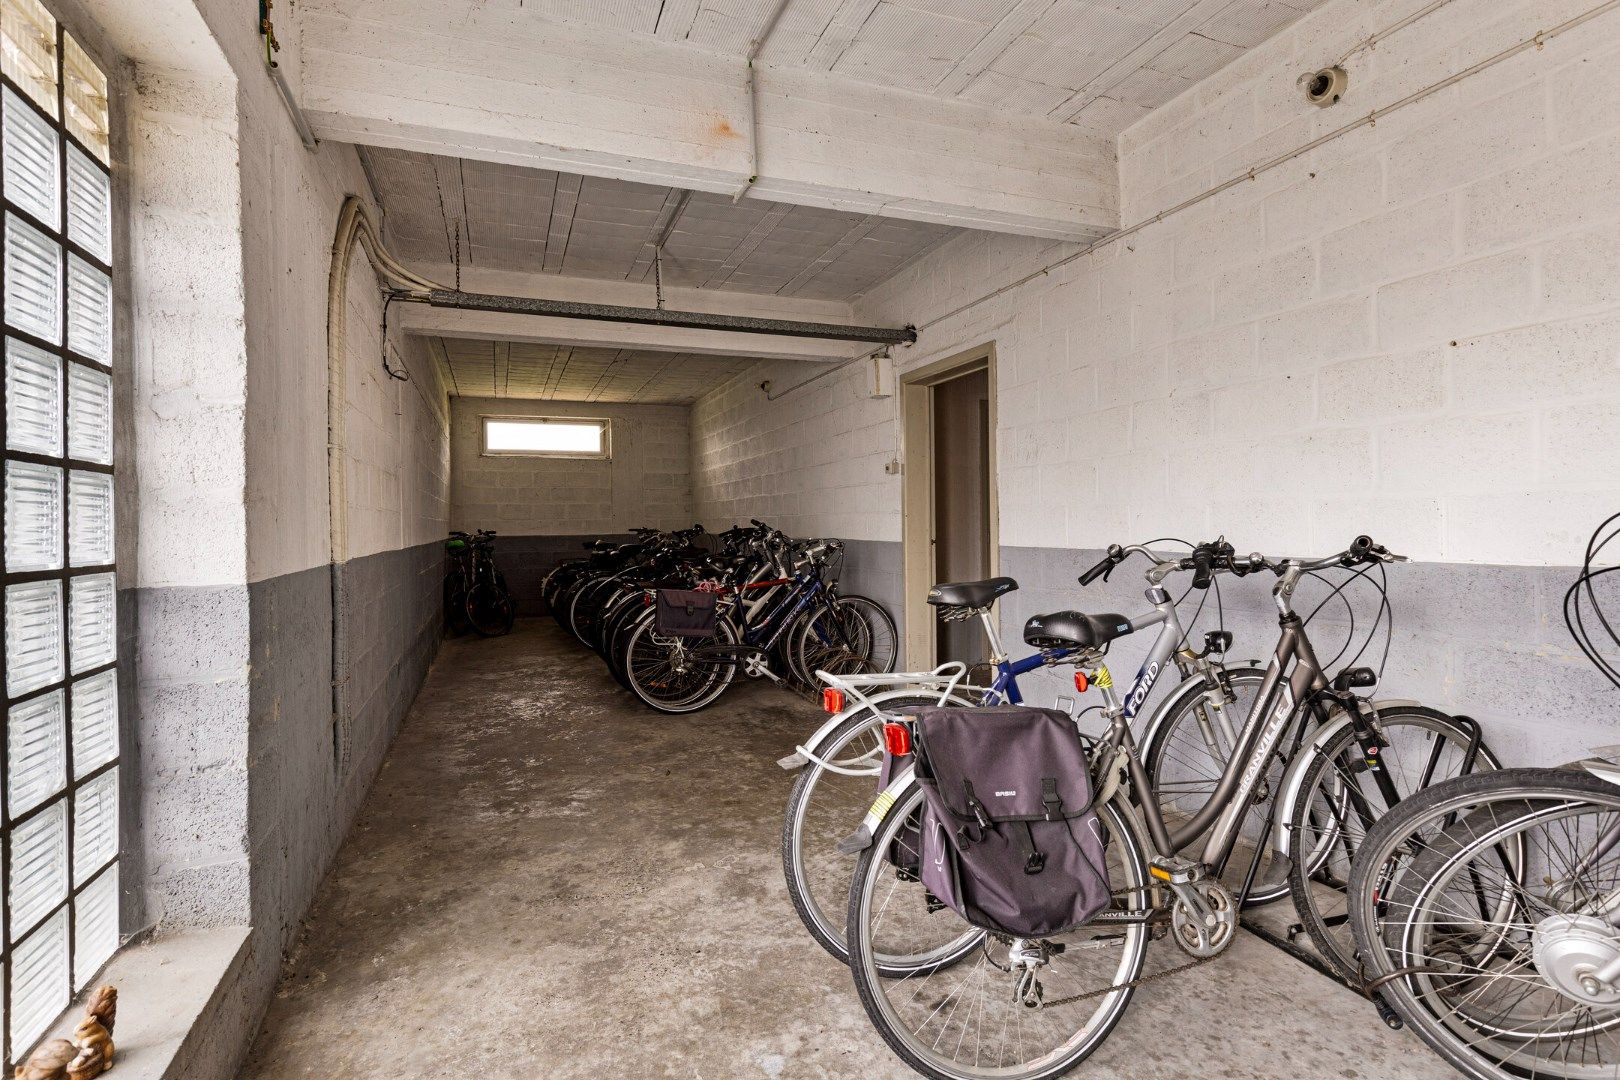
<point>1009,838</point>
<point>686,613</point>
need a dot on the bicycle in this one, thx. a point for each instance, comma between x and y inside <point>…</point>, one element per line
<point>476,596</point>
<point>838,764</point>
<point>1016,989</point>
<point>673,675</point>
<point>1487,909</point>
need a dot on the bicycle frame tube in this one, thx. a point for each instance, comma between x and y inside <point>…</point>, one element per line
<point>1283,692</point>
<point>777,621</point>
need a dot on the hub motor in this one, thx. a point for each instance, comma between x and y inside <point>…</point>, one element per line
<point>1580,956</point>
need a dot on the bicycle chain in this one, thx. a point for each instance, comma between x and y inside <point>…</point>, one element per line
<point>1138,981</point>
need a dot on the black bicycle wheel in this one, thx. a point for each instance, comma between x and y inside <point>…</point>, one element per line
<point>489,610</point>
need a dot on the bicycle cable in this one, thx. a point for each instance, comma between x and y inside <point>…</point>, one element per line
<point>1574,618</point>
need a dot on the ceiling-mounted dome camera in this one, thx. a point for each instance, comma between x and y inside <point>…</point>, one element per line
<point>1325,87</point>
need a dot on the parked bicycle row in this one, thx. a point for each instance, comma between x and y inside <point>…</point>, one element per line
<point>676,621</point>
<point>996,898</point>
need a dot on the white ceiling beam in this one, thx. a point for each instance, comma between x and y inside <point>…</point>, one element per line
<point>499,326</point>
<point>500,84</point>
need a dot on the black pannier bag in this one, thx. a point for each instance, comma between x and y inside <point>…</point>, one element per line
<point>686,613</point>
<point>1010,841</point>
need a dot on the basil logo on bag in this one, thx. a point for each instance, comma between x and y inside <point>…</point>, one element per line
<point>1033,864</point>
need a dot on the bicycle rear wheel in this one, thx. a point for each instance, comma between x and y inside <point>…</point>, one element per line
<point>953,1014</point>
<point>1488,903</point>
<point>670,674</point>
<point>824,805</point>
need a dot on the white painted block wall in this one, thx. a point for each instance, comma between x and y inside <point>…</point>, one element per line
<point>647,482</point>
<point>1413,331</point>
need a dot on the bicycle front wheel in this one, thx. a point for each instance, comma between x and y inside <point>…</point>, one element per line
<point>853,635</point>
<point>1488,903</point>
<point>1190,749</point>
<point>1340,799</point>
<point>954,1015</point>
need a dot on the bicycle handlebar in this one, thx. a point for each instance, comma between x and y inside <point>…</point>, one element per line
<point>1218,556</point>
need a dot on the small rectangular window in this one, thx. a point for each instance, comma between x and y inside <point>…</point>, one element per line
<point>546,436</point>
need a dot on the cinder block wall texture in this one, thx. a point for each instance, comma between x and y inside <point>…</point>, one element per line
<point>545,508</point>
<point>242,768</point>
<point>1412,331</point>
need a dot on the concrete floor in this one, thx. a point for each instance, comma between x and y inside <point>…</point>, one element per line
<point>550,881</point>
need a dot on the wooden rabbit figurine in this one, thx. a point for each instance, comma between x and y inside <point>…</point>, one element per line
<point>49,1062</point>
<point>88,1065</point>
<point>91,1036</point>
<point>103,1005</point>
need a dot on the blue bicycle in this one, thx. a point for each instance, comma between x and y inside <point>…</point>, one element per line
<point>780,628</point>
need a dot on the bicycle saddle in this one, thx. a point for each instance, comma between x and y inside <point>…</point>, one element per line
<point>971,594</point>
<point>1074,629</point>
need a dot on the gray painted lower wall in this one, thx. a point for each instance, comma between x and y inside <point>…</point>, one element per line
<point>873,568</point>
<point>526,560</point>
<point>238,785</point>
<point>1487,641</point>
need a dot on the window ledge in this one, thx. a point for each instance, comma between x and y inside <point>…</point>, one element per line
<point>170,993</point>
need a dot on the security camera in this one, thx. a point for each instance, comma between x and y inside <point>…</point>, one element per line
<point>1325,87</point>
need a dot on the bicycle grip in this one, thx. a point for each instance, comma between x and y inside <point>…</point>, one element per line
<point>1097,571</point>
<point>1201,571</point>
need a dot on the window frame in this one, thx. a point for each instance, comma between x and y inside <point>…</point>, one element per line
<point>67,796</point>
<point>606,425</point>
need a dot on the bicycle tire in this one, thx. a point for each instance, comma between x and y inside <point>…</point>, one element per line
<point>490,611</point>
<point>1320,829</point>
<point>1413,984</point>
<point>826,921</point>
<point>1128,871</point>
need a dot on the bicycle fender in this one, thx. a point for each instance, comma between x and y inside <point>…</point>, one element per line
<point>1294,779</point>
<point>861,839</point>
<point>798,758</point>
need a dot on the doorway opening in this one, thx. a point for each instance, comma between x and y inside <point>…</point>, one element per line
<point>950,497</point>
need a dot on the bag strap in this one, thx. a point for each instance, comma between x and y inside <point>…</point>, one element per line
<point>1051,801</point>
<point>1034,859</point>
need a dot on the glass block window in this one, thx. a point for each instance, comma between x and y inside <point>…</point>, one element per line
<point>59,606</point>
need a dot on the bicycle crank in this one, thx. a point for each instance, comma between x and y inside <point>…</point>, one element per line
<point>1203,918</point>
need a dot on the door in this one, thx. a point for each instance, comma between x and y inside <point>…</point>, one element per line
<point>962,502</point>
<point>950,529</point>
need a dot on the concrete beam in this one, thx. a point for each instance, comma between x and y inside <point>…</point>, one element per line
<point>497,326</point>
<point>500,83</point>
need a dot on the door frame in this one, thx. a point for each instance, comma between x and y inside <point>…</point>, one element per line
<point>917,491</point>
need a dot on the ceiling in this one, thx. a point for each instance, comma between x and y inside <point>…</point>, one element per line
<point>1102,63</point>
<point>515,369</point>
<point>535,220</point>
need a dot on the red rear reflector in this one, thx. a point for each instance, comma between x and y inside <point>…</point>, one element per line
<point>832,700</point>
<point>897,739</point>
<point>1082,682</point>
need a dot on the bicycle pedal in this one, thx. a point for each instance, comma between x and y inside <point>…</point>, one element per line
<point>1176,871</point>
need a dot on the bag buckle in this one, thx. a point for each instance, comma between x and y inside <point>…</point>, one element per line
<point>1036,863</point>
